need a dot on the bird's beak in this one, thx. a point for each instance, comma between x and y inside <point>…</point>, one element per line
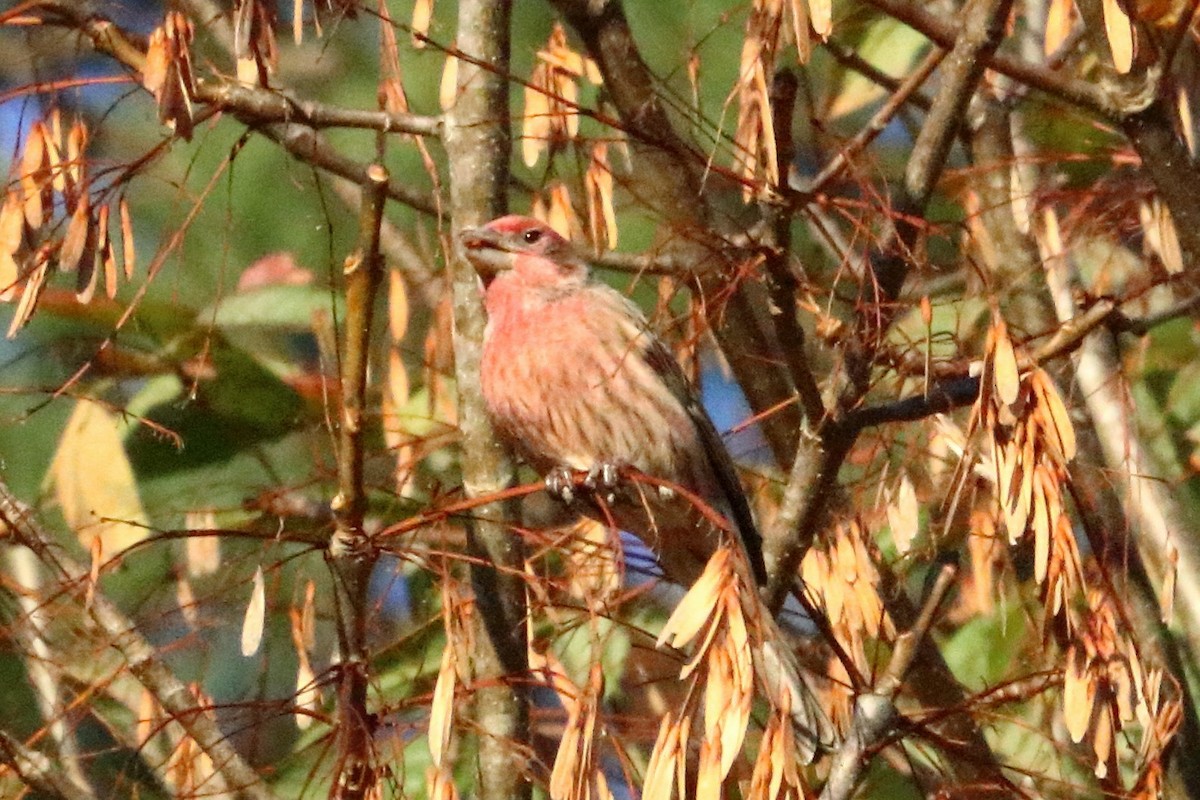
<point>486,252</point>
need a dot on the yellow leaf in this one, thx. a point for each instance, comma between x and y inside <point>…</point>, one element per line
<point>1058,24</point>
<point>33,162</point>
<point>128,254</point>
<point>256,616</point>
<point>904,516</point>
<point>448,90</point>
<point>203,551</point>
<point>422,14</point>
<point>441,711</point>
<point>1006,375</point>
<point>1184,107</point>
<point>1119,30</point>
<point>94,483</point>
<point>821,12</point>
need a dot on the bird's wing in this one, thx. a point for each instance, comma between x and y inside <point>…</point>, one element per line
<point>664,364</point>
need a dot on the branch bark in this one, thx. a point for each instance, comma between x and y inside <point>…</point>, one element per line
<point>478,144</point>
<point>231,774</point>
<point>351,553</point>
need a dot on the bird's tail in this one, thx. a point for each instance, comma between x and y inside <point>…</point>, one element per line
<point>781,674</point>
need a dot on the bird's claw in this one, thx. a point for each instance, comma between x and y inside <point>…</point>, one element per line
<point>560,483</point>
<point>603,478</point>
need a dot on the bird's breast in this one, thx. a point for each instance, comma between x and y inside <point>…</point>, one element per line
<point>567,385</point>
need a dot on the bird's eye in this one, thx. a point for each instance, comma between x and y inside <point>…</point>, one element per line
<point>531,236</point>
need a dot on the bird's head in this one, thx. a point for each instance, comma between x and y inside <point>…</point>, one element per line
<point>531,250</point>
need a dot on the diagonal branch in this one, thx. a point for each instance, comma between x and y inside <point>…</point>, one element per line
<point>875,711</point>
<point>231,774</point>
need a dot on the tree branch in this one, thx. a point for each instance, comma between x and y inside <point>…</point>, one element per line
<point>38,772</point>
<point>478,145</point>
<point>351,554</point>
<point>231,774</point>
<point>875,711</point>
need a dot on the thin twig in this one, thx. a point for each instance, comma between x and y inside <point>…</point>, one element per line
<point>350,553</point>
<point>903,94</point>
<point>39,772</point>
<point>875,712</point>
<point>231,774</point>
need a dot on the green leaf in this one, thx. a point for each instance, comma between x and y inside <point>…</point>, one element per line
<point>280,307</point>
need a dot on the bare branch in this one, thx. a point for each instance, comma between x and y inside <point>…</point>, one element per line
<point>875,711</point>
<point>351,553</point>
<point>232,774</point>
<point>478,142</point>
<point>942,32</point>
<point>39,772</point>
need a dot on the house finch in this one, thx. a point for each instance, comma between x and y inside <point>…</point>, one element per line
<point>574,380</point>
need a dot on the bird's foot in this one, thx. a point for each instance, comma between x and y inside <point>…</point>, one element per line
<point>560,483</point>
<point>603,478</point>
<point>602,481</point>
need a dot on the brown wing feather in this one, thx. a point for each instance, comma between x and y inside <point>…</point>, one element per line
<point>719,461</point>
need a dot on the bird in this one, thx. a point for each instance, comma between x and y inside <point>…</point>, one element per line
<point>574,380</point>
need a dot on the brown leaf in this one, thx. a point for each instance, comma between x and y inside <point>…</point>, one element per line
<point>1184,106</point>
<point>535,129</point>
<point>398,310</point>
<point>76,165</point>
<point>1166,597</point>
<point>1078,694</point>
<point>298,22</point>
<point>33,172</point>
<point>1063,430</point>
<point>10,274</point>
<point>602,218</point>
<point>441,709</point>
<point>800,29</point>
<point>154,70</point>
<point>185,598</point>
<point>75,240</point>
<point>12,223</point>
<point>29,295</point>
<point>87,278</point>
